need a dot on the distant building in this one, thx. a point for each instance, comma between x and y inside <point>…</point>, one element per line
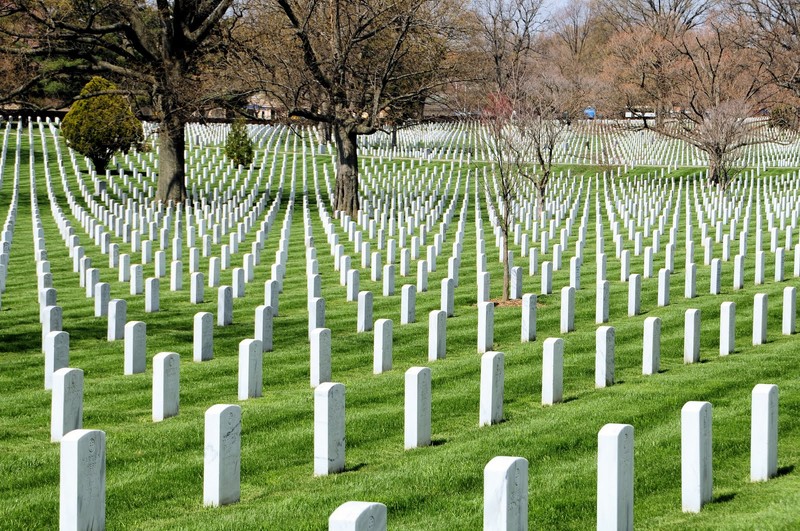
<point>262,107</point>
<point>640,114</point>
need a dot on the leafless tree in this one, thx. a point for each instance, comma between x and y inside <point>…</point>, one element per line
<point>153,48</point>
<point>523,136</point>
<point>352,65</point>
<point>572,26</point>
<point>507,34</point>
<point>664,17</point>
<point>642,50</point>
<point>721,133</point>
<point>505,151</point>
<point>721,88</point>
<point>544,114</point>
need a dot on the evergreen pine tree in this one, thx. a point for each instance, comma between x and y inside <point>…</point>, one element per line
<point>238,146</point>
<point>101,123</point>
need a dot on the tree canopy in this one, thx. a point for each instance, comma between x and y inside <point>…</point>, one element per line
<point>353,65</point>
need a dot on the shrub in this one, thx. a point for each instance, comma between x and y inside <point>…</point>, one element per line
<point>238,146</point>
<point>101,123</point>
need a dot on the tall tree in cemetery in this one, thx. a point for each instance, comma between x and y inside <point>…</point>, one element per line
<point>688,62</point>
<point>505,37</point>
<point>504,181</point>
<point>352,65</point>
<point>721,88</point>
<point>523,135</point>
<point>550,105</point>
<point>153,49</point>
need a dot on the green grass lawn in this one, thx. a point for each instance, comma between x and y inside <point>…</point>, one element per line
<point>155,470</point>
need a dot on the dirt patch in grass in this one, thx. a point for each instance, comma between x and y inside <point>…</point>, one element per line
<point>507,304</point>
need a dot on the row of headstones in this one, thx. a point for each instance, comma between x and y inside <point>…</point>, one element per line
<point>630,148</point>
<point>605,336</point>
<point>401,190</point>
<point>222,312</point>
<point>544,226</point>
<point>90,276</point>
<point>634,279</point>
<point>486,312</point>
<point>506,478</point>
<point>240,203</point>
<point>691,268</point>
<point>604,364</point>
<point>146,247</point>
<point>97,232</point>
<point>55,344</point>
<point>83,458</point>
<point>349,276</point>
<point>664,275</point>
<point>406,253</point>
<point>721,210</point>
<point>199,162</point>
<point>67,383</point>
<point>522,240</point>
<point>634,284</point>
<point>223,427</point>
<point>7,235</point>
<point>607,144</point>
<point>235,223</point>
<point>407,219</point>
<point>624,255</point>
<point>710,207</point>
<point>403,222</point>
<point>615,458</point>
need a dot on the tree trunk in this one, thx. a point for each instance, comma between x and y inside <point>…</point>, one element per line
<point>324,132</point>
<point>541,188</point>
<point>324,128</point>
<point>171,170</point>
<point>100,165</point>
<point>394,137</point>
<point>346,199</point>
<point>506,265</point>
<point>714,169</point>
